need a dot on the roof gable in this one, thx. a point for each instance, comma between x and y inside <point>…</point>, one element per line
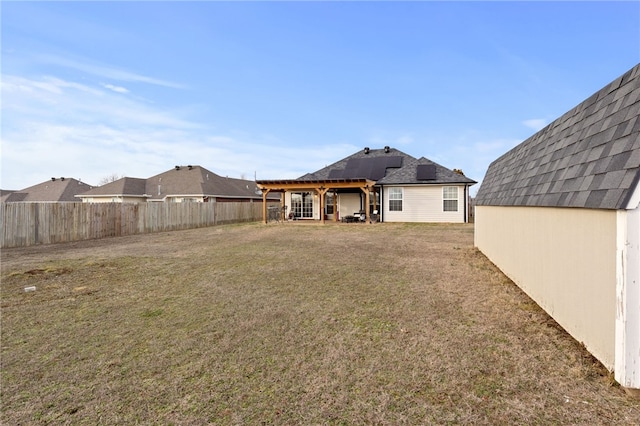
<point>589,157</point>
<point>198,181</point>
<point>372,164</point>
<point>54,190</point>
<point>387,166</point>
<point>412,173</point>
<point>181,181</point>
<point>126,186</point>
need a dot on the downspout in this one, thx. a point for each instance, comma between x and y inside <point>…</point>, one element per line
<point>466,204</point>
<point>381,209</point>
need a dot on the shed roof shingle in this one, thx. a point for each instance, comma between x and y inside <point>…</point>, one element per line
<point>589,157</point>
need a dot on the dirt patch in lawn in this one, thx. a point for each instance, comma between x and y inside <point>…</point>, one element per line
<point>287,324</point>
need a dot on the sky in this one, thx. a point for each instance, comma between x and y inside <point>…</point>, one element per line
<point>274,90</point>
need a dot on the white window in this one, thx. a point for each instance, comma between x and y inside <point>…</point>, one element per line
<point>395,199</point>
<point>329,203</point>
<point>450,198</point>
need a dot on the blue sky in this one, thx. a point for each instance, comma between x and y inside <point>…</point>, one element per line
<point>279,89</point>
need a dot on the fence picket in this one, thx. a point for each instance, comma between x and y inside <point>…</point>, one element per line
<point>25,224</point>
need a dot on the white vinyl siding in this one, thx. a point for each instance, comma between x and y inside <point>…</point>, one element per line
<point>423,203</point>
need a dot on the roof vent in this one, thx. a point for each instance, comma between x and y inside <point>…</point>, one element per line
<point>386,149</point>
<point>53,179</point>
<point>190,167</point>
<point>61,178</point>
<point>366,149</point>
<point>177,167</point>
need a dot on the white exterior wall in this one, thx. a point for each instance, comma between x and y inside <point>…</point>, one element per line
<point>565,260</point>
<point>114,199</point>
<point>184,199</point>
<point>348,204</point>
<point>423,204</point>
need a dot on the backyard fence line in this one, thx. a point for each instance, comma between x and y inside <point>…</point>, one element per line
<point>26,224</point>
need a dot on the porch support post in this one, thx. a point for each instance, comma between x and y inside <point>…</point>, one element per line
<point>366,190</point>
<point>322,190</point>
<point>282,204</point>
<point>375,199</point>
<point>265,191</point>
<point>335,205</point>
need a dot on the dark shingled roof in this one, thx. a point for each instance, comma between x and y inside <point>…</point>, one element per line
<point>386,166</point>
<point>180,181</point>
<point>127,186</point>
<point>370,164</point>
<point>198,181</point>
<point>54,190</point>
<point>589,157</point>
<point>408,174</point>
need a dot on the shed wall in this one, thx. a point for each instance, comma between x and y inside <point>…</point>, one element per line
<point>565,260</point>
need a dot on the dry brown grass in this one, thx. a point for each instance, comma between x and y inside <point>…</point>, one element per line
<point>287,324</point>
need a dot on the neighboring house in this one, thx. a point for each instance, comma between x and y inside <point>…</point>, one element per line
<point>52,191</point>
<point>388,183</point>
<point>124,190</point>
<point>560,215</point>
<point>180,184</point>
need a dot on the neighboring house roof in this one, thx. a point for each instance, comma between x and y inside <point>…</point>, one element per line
<point>124,187</point>
<point>181,181</point>
<point>589,157</point>
<point>388,166</point>
<point>198,181</point>
<point>54,190</point>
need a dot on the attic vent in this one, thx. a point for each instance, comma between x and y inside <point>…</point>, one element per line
<point>426,172</point>
<point>177,167</point>
<point>366,149</point>
<point>386,149</point>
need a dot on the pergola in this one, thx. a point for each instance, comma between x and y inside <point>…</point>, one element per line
<point>321,187</point>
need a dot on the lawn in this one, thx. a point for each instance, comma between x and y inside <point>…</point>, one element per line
<point>287,324</point>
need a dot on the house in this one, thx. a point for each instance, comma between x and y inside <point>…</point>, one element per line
<point>124,190</point>
<point>180,184</point>
<point>52,191</point>
<point>559,214</point>
<point>385,184</point>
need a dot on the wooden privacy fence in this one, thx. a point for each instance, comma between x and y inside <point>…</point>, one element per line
<point>25,224</point>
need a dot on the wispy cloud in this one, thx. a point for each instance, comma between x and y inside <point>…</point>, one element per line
<point>105,71</point>
<point>117,89</point>
<point>55,127</point>
<point>535,123</point>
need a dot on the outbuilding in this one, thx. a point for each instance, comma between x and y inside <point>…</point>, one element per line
<point>559,214</point>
